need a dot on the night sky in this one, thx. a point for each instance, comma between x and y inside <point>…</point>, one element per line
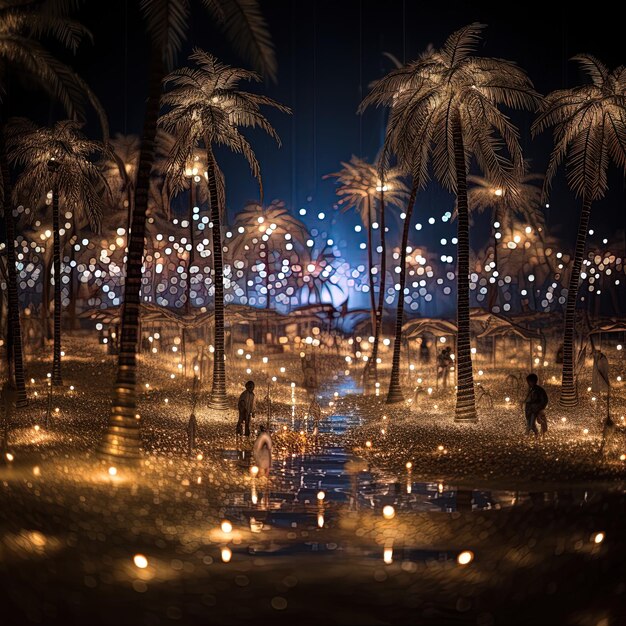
<point>328,52</point>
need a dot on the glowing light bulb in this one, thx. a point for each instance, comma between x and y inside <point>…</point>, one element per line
<point>465,557</point>
<point>140,561</point>
<point>389,512</point>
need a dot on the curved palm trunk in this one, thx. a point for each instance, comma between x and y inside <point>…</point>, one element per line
<point>395,390</point>
<point>14,331</point>
<point>381,287</point>
<point>218,399</point>
<point>569,393</point>
<point>56,263</point>
<point>465,402</point>
<point>370,261</point>
<point>122,439</point>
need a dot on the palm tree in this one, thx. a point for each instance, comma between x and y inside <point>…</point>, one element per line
<point>56,164</point>
<point>521,201</point>
<point>206,108</point>
<point>360,185</point>
<point>166,22</point>
<point>589,123</point>
<point>444,111</point>
<point>266,232</point>
<point>357,190</point>
<point>22,25</point>
<point>319,271</point>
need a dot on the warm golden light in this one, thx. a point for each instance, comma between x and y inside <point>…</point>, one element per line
<point>389,512</point>
<point>465,557</point>
<point>140,561</point>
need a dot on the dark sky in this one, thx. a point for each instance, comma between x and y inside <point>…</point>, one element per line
<point>328,52</point>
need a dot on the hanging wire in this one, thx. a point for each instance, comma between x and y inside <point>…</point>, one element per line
<point>294,173</point>
<point>125,68</point>
<point>360,76</point>
<point>404,32</point>
<point>314,99</point>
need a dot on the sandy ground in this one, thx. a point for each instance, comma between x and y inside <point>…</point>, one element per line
<point>69,531</point>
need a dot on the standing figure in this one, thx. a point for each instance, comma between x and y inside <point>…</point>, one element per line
<point>424,351</point>
<point>262,451</point>
<point>192,426</point>
<point>534,406</point>
<point>444,361</point>
<point>246,409</point>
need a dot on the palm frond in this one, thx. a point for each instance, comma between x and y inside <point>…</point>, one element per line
<point>166,21</point>
<point>462,43</point>
<point>245,26</point>
<point>593,67</point>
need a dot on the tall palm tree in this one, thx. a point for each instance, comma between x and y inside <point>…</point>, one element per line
<point>57,165</point>
<point>166,22</point>
<point>520,201</point>
<point>206,108</point>
<point>589,128</point>
<point>392,190</point>
<point>357,191</point>
<point>23,57</point>
<point>444,111</point>
<point>360,187</point>
<point>266,232</point>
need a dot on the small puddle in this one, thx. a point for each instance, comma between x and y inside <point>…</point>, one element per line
<point>289,500</point>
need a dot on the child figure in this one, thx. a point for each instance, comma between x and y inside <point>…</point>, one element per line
<point>262,451</point>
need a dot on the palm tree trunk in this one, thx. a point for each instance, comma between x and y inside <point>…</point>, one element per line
<point>395,390</point>
<point>72,289</point>
<point>46,278</point>
<point>56,263</point>
<point>218,399</point>
<point>370,261</point>
<point>267,298</point>
<point>494,289</point>
<point>381,286</point>
<point>122,439</point>
<point>569,393</point>
<point>192,203</point>
<point>465,402</point>
<point>14,331</point>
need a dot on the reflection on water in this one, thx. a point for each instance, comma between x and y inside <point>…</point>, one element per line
<point>290,497</point>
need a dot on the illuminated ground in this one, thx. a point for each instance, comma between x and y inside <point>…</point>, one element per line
<point>546,531</point>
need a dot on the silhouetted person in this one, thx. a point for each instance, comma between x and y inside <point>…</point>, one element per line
<point>444,361</point>
<point>192,426</point>
<point>559,355</point>
<point>424,351</point>
<point>246,409</point>
<point>534,405</point>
